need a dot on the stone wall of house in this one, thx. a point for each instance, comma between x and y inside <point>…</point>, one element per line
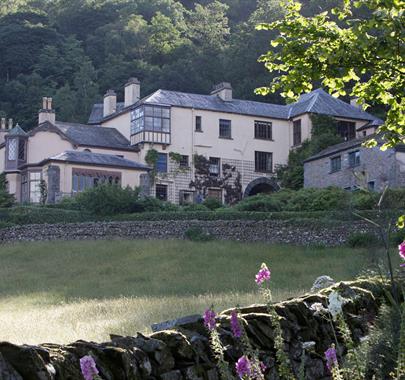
<point>270,231</point>
<point>375,165</point>
<point>183,352</point>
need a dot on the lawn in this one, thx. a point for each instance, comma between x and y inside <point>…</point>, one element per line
<point>63,291</point>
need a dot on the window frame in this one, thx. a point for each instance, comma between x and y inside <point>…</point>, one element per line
<point>184,162</point>
<point>198,123</point>
<point>160,164</point>
<point>262,157</point>
<point>214,162</point>
<point>334,168</point>
<point>346,129</point>
<point>297,132</point>
<point>268,134</point>
<point>354,162</point>
<point>147,118</point>
<point>166,191</point>
<point>227,124</point>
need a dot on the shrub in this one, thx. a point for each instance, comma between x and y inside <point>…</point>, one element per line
<point>260,202</point>
<point>108,200</point>
<point>67,203</point>
<point>192,207</point>
<point>397,237</point>
<point>394,199</point>
<point>197,234</point>
<point>6,199</point>
<point>150,204</point>
<point>363,240</point>
<point>364,200</point>
<point>212,203</point>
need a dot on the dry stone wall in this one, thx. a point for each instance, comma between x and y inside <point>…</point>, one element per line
<point>183,352</point>
<point>271,231</point>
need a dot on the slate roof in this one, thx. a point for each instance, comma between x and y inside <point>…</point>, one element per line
<point>90,135</point>
<point>333,149</point>
<point>320,102</point>
<point>17,131</point>
<point>317,101</point>
<point>97,159</point>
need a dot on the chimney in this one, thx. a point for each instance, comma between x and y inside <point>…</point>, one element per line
<point>3,123</point>
<point>10,124</point>
<point>110,103</point>
<point>46,113</point>
<point>223,91</point>
<point>132,91</point>
<point>355,103</point>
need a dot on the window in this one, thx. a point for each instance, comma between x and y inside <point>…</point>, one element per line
<point>225,130</point>
<point>21,150</point>
<point>34,187</point>
<point>215,193</point>
<point>371,185</point>
<point>83,179</point>
<point>354,159</point>
<point>263,130</point>
<point>150,118</point>
<point>215,166</point>
<point>346,129</point>
<point>198,124</point>
<point>12,149</point>
<point>297,135</point>
<point>364,133</point>
<point>264,162</point>
<point>186,197</point>
<point>161,192</point>
<point>184,162</point>
<point>161,163</point>
<point>335,164</point>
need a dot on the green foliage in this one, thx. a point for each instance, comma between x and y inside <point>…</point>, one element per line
<point>363,240</point>
<point>6,199</point>
<point>43,189</point>
<point>151,204</point>
<point>108,200</point>
<point>40,215</point>
<point>324,134</point>
<point>212,203</point>
<point>312,49</point>
<point>196,233</point>
<point>397,237</point>
<point>260,202</point>
<point>364,200</point>
<point>193,207</point>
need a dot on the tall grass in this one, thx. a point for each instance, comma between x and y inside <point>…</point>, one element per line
<point>63,291</point>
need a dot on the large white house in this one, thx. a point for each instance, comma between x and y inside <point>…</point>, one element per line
<point>176,146</point>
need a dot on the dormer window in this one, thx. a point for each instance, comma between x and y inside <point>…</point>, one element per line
<point>16,148</point>
<point>12,149</point>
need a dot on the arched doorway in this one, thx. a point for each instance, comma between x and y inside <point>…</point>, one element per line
<point>261,185</point>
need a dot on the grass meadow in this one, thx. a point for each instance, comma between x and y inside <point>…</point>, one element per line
<point>63,291</point>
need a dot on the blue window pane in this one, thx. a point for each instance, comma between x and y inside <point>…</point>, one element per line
<point>161,164</point>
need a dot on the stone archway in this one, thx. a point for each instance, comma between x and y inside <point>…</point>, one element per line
<point>261,185</point>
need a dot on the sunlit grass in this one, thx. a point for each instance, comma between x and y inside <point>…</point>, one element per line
<point>63,291</point>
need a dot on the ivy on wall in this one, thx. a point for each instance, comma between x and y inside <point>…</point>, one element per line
<point>230,181</point>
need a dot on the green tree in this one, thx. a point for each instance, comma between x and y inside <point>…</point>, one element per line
<point>362,57</point>
<point>324,134</point>
<point>6,199</point>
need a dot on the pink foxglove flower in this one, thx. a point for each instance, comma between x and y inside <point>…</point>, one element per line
<point>209,319</point>
<point>331,358</point>
<point>401,249</point>
<point>243,367</point>
<point>235,326</point>
<point>88,367</point>
<point>263,274</point>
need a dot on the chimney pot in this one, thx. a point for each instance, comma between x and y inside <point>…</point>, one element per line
<point>46,113</point>
<point>10,123</point>
<point>3,123</point>
<point>110,103</point>
<point>223,90</point>
<point>132,91</point>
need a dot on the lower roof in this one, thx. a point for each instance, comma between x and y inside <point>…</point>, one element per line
<point>97,159</point>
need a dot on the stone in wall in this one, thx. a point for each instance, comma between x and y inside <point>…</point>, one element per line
<point>183,352</point>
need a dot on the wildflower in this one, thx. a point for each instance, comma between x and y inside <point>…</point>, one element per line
<point>243,367</point>
<point>331,358</point>
<point>236,330</point>
<point>401,249</point>
<point>263,274</point>
<point>318,308</point>
<point>209,319</point>
<point>335,304</point>
<point>88,367</point>
<point>263,367</point>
